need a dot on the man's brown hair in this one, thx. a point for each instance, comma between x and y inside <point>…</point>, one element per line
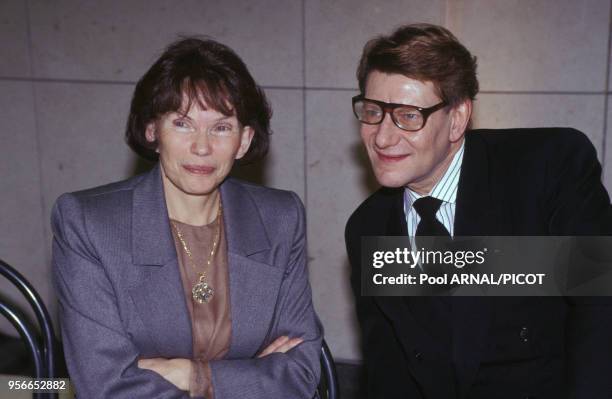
<point>423,52</point>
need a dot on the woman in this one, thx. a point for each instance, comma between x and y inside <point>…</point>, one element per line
<point>182,282</point>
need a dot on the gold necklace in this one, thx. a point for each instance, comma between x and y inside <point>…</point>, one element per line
<point>202,291</point>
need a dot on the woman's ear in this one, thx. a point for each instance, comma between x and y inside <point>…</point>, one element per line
<point>246,137</point>
<point>150,132</point>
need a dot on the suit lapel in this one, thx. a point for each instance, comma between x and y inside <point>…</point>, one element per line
<point>478,213</point>
<point>479,202</point>
<point>395,308</point>
<point>413,337</point>
<point>254,282</point>
<point>159,299</point>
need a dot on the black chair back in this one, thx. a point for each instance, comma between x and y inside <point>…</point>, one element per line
<point>328,385</point>
<point>43,356</point>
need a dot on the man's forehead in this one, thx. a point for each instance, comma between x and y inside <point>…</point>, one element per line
<point>397,88</point>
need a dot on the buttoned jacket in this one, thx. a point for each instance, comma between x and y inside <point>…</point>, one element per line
<point>522,182</point>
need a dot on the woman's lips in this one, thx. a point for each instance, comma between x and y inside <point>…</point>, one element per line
<point>198,169</point>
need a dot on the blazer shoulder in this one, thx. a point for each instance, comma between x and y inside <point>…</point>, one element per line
<point>73,212</point>
<point>531,138</point>
<point>267,198</point>
<point>100,193</point>
<point>372,209</point>
<point>281,212</point>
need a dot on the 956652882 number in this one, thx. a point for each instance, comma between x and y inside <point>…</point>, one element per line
<point>38,384</point>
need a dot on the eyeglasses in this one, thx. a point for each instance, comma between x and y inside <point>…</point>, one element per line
<point>406,117</point>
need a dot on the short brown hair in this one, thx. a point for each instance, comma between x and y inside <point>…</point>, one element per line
<point>426,53</point>
<point>202,70</point>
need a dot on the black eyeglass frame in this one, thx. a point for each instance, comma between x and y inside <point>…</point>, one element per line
<point>389,108</point>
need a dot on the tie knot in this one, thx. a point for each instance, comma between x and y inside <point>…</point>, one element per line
<point>427,207</point>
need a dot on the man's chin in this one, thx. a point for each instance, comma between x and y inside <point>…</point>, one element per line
<point>391,180</point>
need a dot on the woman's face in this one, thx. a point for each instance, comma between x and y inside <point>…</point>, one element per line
<point>197,149</point>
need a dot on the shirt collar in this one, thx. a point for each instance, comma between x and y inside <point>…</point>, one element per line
<point>446,188</point>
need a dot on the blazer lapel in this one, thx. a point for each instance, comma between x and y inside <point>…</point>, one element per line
<point>159,299</point>
<point>254,281</point>
<point>479,205</point>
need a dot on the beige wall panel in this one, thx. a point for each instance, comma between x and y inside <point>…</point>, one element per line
<point>608,161</point>
<point>21,218</point>
<point>81,128</point>
<point>14,55</point>
<point>336,32</point>
<point>582,112</point>
<point>283,167</point>
<point>73,39</point>
<point>338,180</point>
<point>547,45</point>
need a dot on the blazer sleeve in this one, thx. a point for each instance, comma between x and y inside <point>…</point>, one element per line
<point>294,374</point>
<point>101,358</point>
<point>580,206</point>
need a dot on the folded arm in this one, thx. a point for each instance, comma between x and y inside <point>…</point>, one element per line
<point>101,358</point>
<point>294,374</point>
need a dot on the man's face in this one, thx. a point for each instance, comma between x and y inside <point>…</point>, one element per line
<point>414,159</point>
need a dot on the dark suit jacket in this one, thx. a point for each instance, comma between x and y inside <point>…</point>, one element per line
<point>513,182</point>
<point>121,298</point>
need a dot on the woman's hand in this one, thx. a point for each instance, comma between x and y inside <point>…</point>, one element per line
<point>281,344</point>
<point>176,371</point>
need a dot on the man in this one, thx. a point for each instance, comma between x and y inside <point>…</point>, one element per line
<point>417,90</point>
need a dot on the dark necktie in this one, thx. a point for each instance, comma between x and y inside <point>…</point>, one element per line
<point>432,311</point>
<point>427,207</point>
<point>429,226</point>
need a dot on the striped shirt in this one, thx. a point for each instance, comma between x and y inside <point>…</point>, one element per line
<point>444,190</point>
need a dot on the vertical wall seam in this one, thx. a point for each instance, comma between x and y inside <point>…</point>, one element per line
<point>45,225</point>
<point>607,93</point>
<point>304,123</point>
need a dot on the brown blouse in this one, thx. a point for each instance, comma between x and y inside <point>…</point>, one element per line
<point>211,321</point>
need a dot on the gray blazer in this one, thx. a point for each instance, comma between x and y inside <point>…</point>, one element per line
<point>116,273</point>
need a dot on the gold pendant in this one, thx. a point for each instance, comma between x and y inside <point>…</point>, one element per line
<point>202,292</point>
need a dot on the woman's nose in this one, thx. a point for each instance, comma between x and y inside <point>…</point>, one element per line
<point>201,144</point>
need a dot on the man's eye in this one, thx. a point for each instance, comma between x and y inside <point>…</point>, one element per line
<point>371,111</point>
<point>409,115</point>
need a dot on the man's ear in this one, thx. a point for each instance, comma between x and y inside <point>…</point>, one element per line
<point>245,141</point>
<point>460,118</point>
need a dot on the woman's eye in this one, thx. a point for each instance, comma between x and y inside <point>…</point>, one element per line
<point>180,124</point>
<point>223,129</point>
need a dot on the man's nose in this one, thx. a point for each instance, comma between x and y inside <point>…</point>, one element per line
<point>201,144</point>
<point>387,134</point>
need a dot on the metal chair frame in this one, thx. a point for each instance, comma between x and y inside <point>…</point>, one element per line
<point>42,356</point>
<point>328,385</point>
